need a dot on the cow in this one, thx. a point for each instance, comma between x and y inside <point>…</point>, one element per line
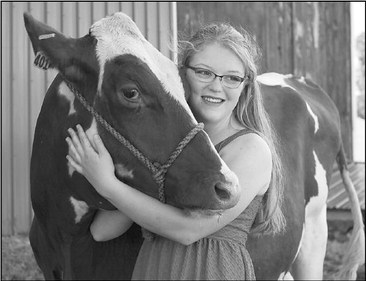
<point>307,124</point>
<point>115,83</point>
<point>304,118</point>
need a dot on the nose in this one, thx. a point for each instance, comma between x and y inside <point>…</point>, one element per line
<point>227,192</point>
<point>216,84</point>
<point>222,191</point>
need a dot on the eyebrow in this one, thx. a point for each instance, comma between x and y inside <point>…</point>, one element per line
<point>236,72</point>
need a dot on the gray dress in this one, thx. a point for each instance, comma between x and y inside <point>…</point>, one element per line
<point>219,256</point>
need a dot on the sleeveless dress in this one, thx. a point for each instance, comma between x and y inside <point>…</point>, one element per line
<point>219,256</point>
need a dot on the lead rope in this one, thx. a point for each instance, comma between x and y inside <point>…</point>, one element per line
<point>158,170</point>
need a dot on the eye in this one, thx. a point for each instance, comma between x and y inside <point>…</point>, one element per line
<point>233,78</point>
<point>131,94</point>
<point>203,72</point>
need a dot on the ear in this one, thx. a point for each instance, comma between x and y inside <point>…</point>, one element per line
<point>74,58</point>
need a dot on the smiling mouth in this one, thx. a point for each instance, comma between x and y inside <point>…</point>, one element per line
<point>212,100</point>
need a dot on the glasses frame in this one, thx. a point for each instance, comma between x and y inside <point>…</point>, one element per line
<point>215,75</point>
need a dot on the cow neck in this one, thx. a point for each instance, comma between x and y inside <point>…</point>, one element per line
<point>158,170</point>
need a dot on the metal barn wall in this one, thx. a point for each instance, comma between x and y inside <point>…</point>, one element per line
<point>24,86</point>
<point>305,38</point>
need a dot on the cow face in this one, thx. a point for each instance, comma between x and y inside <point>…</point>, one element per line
<point>139,93</point>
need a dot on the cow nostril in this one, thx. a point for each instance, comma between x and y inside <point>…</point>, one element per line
<point>221,191</point>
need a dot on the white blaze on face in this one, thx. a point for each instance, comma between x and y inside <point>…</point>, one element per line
<point>229,175</point>
<point>118,35</point>
<point>64,91</point>
<point>316,121</point>
<point>80,208</point>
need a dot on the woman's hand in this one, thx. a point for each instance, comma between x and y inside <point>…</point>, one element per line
<point>95,164</point>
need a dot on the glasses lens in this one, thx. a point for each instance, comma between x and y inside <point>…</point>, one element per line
<point>204,74</point>
<point>231,81</point>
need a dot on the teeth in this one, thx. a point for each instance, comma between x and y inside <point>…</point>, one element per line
<point>213,100</point>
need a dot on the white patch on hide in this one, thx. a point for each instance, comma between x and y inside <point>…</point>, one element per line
<point>317,203</point>
<point>80,208</point>
<point>275,79</point>
<point>315,118</point>
<point>123,172</point>
<point>118,35</point>
<point>300,243</point>
<point>302,80</point>
<point>64,91</point>
<point>285,276</point>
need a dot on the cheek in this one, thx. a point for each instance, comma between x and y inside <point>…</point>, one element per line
<point>233,96</point>
<point>195,86</point>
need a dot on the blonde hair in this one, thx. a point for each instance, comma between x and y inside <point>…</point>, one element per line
<point>249,111</point>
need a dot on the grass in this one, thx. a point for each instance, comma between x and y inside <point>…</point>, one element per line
<point>17,260</point>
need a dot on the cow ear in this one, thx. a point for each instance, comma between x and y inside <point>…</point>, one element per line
<point>53,49</point>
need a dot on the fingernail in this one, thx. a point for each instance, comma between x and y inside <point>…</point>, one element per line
<point>78,126</point>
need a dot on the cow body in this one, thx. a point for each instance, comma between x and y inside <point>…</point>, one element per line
<point>308,127</point>
<point>304,118</point>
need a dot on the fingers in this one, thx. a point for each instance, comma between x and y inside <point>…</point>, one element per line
<point>76,166</point>
<point>83,137</point>
<point>72,151</point>
<point>76,142</point>
<point>99,146</point>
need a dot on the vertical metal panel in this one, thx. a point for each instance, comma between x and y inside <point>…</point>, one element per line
<point>113,7</point>
<point>164,29</point>
<point>99,11</point>
<point>152,26</point>
<point>139,16</point>
<point>127,8</point>
<point>21,153</point>
<point>84,18</point>
<point>24,86</point>
<point>6,120</point>
<point>69,19</point>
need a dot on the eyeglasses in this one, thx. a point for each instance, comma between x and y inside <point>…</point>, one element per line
<point>207,76</point>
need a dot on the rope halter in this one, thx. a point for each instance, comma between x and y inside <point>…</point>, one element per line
<point>158,170</point>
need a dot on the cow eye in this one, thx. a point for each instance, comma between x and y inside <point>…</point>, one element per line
<point>131,94</point>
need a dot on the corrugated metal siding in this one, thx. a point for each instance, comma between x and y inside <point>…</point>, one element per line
<point>24,86</point>
<point>337,196</point>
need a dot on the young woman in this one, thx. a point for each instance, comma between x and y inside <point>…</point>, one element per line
<point>218,64</point>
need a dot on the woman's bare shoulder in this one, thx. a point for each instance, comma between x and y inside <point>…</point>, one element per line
<point>249,145</point>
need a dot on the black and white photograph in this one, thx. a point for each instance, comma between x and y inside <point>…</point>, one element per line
<point>182,140</point>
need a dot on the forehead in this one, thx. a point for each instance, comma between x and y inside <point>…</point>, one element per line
<point>118,35</point>
<point>219,58</point>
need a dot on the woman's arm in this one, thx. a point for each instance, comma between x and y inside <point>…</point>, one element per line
<point>248,157</point>
<point>108,225</point>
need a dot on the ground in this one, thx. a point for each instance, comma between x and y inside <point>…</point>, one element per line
<point>18,262</point>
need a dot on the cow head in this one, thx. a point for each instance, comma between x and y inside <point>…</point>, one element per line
<point>139,93</point>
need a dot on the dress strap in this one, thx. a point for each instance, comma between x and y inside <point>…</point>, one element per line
<point>229,139</point>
